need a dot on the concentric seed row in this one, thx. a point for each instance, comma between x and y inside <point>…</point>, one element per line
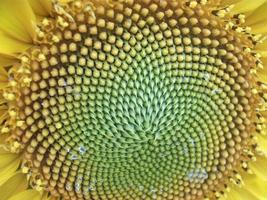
<point>146,101</point>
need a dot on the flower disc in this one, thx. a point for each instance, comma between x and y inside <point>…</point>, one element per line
<point>140,99</point>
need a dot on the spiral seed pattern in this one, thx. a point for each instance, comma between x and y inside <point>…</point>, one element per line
<point>143,99</point>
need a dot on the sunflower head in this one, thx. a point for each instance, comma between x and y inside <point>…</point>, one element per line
<point>132,99</point>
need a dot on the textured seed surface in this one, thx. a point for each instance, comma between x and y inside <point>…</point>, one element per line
<point>145,100</point>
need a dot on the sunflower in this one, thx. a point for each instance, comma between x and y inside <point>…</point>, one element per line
<point>133,99</point>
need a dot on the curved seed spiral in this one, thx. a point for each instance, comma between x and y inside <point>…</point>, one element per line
<point>140,99</point>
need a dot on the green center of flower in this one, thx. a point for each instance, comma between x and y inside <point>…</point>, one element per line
<point>140,100</point>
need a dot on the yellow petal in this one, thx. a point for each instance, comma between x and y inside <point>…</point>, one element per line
<point>245,6</point>
<point>262,46</point>
<point>10,46</point>
<point>15,184</point>
<point>262,142</point>
<point>3,137</point>
<point>6,60</point>
<point>258,15</point>
<point>6,158</point>
<point>237,193</point>
<point>259,167</point>
<point>262,77</point>
<point>256,186</point>
<point>3,73</point>
<point>41,7</point>
<point>9,165</point>
<point>27,195</point>
<point>263,53</point>
<point>3,82</point>
<point>259,28</point>
<point>17,19</point>
<point>229,2</point>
